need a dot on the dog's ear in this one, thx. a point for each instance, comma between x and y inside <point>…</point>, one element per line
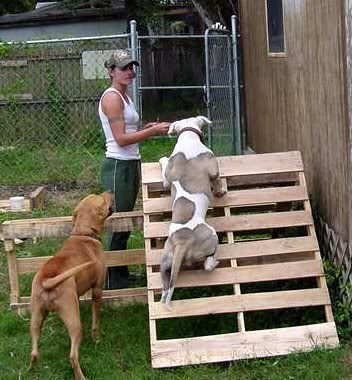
<point>203,121</point>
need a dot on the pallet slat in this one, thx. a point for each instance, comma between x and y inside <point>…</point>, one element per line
<point>242,275</point>
<point>238,198</point>
<point>245,249</point>
<point>61,226</point>
<point>233,166</point>
<point>119,295</point>
<point>111,258</point>
<point>242,223</point>
<point>241,303</point>
<point>252,344</point>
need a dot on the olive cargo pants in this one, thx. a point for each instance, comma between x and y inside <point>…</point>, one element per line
<point>122,178</point>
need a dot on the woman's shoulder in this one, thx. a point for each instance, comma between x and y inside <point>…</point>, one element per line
<point>111,94</point>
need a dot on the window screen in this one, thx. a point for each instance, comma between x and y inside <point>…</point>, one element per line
<point>275,25</point>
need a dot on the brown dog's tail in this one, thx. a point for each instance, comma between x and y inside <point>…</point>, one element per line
<point>50,283</point>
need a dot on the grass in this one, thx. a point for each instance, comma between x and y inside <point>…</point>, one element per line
<point>123,350</point>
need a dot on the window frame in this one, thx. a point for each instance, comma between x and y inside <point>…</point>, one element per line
<point>275,54</point>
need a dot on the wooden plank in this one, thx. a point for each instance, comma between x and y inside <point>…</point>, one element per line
<point>257,248</point>
<point>270,179</point>
<point>242,223</point>
<point>13,270</point>
<point>253,197</point>
<point>236,346</point>
<point>232,166</point>
<point>257,273</point>
<point>120,296</point>
<point>126,257</point>
<point>111,258</point>
<point>61,226</point>
<point>37,198</point>
<point>241,303</point>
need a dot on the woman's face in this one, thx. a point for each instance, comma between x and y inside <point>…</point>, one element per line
<point>124,75</point>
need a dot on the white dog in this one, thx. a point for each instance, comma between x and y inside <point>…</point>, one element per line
<point>192,172</point>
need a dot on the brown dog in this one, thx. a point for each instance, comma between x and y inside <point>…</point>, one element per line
<point>75,269</point>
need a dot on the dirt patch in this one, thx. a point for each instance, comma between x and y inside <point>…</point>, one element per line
<point>57,194</point>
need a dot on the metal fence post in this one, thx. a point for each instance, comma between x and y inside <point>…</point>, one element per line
<point>207,85</point>
<point>238,143</point>
<point>134,43</point>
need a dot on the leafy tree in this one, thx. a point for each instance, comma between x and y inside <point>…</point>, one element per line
<point>18,6</point>
<point>148,13</point>
<point>213,11</point>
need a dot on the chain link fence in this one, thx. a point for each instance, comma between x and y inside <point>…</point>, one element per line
<point>49,94</point>
<point>222,93</point>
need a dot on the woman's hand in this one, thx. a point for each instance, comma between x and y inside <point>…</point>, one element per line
<point>160,128</point>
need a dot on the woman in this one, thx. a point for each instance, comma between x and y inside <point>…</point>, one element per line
<point>120,170</point>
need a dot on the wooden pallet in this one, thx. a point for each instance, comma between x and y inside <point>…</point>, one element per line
<point>267,237</point>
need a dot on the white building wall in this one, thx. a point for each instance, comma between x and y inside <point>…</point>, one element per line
<point>77,29</point>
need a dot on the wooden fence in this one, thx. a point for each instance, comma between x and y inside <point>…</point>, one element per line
<point>61,227</point>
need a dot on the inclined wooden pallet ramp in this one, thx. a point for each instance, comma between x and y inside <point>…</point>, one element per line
<point>267,235</point>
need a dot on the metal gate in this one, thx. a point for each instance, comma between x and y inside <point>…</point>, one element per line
<point>222,90</point>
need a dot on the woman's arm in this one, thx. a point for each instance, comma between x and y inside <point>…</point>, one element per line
<point>112,106</point>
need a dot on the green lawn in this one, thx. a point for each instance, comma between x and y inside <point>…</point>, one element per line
<point>123,351</point>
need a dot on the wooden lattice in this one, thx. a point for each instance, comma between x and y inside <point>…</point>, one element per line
<point>267,236</point>
<point>338,251</point>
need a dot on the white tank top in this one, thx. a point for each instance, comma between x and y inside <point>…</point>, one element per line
<point>113,150</point>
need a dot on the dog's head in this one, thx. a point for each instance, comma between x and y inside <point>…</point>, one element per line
<point>91,213</point>
<point>197,122</point>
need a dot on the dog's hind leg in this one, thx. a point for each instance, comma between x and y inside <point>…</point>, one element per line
<point>165,269</point>
<point>38,314</point>
<point>69,313</point>
<point>212,262</point>
<point>96,303</point>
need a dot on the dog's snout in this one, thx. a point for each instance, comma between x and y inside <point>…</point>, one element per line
<point>111,211</point>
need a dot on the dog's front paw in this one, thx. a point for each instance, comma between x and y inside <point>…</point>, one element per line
<point>163,161</point>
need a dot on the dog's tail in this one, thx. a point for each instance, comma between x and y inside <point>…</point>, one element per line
<point>50,283</point>
<point>179,252</point>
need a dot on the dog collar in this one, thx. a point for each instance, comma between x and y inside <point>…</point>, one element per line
<point>96,237</point>
<point>200,134</point>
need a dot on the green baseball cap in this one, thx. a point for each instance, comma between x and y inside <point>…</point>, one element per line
<point>120,59</point>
